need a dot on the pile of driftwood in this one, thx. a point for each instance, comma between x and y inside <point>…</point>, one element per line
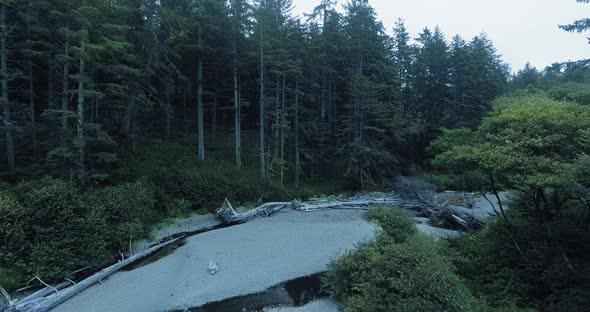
<point>51,296</point>
<point>409,194</point>
<point>360,202</point>
<point>432,206</point>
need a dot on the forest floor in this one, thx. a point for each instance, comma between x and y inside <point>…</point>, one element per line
<point>252,257</point>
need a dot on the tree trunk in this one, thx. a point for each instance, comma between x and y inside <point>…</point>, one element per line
<point>237,116</point>
<point>277,116</point>
<point>95,110</point>
<point>214,117</point>
<point>330,109</point>
<point>283,136</point>
<point>80,118</point>
<point>168,110</point>
<point>261,117</point>
<point>7,116</point>
<point>65,91</point>
<point>324,58</point>
<point>297,160</point>
<point>184,106</point>
<point>32,104</point>
<point>50,84</point>
<point>51,102</point>
<point>128,117</point>
<point>200,116</point>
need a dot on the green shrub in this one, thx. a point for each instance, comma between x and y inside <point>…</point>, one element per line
<point>520,265</point>
<point>127,209</point>
<point>348,276</point>
<point>400,271</point>
<point>59,233</point>
<point>173,168</point>
<point>395,223</point>
<point>409,276</point>
<point>469,181</point>
<point>123,203</point>
<point>13,241</point>
<point>207,187</point>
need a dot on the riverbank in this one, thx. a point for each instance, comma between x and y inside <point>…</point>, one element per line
<point>251,257</point>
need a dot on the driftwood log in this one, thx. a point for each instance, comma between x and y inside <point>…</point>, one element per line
<point>432,206</point>
<point>48,298</point>
<point>229,215</point>
<point>360,202</point>
<point>418,196</point>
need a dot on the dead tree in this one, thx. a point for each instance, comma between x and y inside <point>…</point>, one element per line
<point>47,299</point>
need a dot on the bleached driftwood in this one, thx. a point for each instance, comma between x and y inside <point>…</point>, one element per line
<point>46,303</point>
<point>435,208</point>
<point>6,302</point>
<point>44,292</point>
<point>229,215</point>
<point>419,197</point>
<point>360,202</point>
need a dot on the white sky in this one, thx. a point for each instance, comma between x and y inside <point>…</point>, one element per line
<point>522,30</point>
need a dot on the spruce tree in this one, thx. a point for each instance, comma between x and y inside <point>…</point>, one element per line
<point>580,25</point>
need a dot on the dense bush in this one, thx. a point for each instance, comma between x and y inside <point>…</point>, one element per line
<point>526,263</point>
<point>127,209</point>
<point>47,230</point>
<point>13,241</point>
<point>206,186</point>
<point>179,178</point>
<point>407,273</point>
<point>50,227</point>
<point>394,222</point>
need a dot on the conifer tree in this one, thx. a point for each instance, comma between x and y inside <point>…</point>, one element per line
<point>5,74</point>
<point>580,25</point>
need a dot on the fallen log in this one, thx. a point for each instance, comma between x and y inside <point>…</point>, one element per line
<point>44,292</point>
<point>360,202</point>
<point>43,304</point>
<point>432,204</point>
<point>229,215</point>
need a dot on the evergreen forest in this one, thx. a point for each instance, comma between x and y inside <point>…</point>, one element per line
<point>120,115</point>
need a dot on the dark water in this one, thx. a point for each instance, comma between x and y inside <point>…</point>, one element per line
<point>296,292</point>
<point>89,271</point>
<point>162,253</point>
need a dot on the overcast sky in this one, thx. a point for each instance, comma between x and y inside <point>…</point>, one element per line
<point>522,30</point>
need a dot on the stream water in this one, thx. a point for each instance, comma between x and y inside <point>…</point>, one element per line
<point>296,292</point>
<point>162,253</point>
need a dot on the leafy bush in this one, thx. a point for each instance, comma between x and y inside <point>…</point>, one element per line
<point>408,276</point>
<point>123,203</point>
<point>48,230</point>
<point>395,223</point>
<point>127,209</point>
<point>13,241</point>
<point>518,264</point>
<point>180,177</point>
<point>206,187</point>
